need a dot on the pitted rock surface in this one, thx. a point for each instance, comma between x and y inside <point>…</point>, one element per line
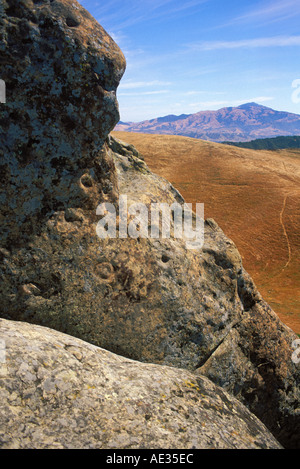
<point>60,392</point>
<point>152,300</point>
<point>61,71</point>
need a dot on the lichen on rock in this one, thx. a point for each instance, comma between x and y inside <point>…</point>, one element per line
<point>61,71</point>
<point>58,392</point>
<point>151,300</point>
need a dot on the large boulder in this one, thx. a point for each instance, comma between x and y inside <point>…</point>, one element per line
<point>153,300</point>
<point>60,392</point>
<point>61,71</point>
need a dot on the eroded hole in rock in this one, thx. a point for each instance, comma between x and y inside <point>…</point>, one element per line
<point>246,298</point>
<point>86,180</point>
<point>72,22</point>
<point>165,258</point>
<point>50,285</point>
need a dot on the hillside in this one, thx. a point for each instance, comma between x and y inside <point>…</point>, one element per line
<point>236,124</point>
<point>253,196</point>
<point>277,143</point>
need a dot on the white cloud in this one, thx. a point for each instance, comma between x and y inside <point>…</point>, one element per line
<point>266,13</point>
<point>198,92</point>
<point>277,41</point>
<point>275,10</point>
<point>193,93</point>
<point>209,104</point>
<point>155,108</point>
<point>227,103</point>
<point>144,93</point>
<point>129,85</point>
<point>128,13</point>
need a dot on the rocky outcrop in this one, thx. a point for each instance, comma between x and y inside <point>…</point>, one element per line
<point>60,392</point>
<point>61,71</point>
<point>157,301</point>
<point>254,363</point>
<point>153,300</point>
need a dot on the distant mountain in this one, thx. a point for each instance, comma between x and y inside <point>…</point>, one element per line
<point>276,143</point>
<point>235,124</point>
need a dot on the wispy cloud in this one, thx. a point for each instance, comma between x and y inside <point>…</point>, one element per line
<point>193,93</point>
<point>126,13</point>
<point>144,93</point>
<point>129,85</point>
<point>270,12</point>
<point>267,13</point>
<point>198,92</point>
<point>185,6</point>
<point>277,41</point>
<point>237,102</point>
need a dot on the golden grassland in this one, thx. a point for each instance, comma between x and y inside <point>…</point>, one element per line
<point>254,196</point>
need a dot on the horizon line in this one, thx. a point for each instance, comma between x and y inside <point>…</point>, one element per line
<point>206,110</point>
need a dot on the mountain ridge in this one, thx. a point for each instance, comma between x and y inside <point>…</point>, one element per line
<point>243,123</point>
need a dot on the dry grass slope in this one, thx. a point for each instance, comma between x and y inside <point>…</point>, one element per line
<point>253,195</point>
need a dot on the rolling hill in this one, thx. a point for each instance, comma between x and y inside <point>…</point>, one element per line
<point>253,195</point>
<point>236,124</point>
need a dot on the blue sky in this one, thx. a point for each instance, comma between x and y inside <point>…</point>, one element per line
<point>185,56</point>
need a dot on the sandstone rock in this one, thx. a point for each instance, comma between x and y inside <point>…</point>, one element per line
<point>254,363</point>
<point>153,300</point>
<point>60,392</point>
<point>61,71</point>
<point>157,301</point>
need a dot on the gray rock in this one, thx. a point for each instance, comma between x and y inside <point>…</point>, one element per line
<point>152,300</point>
<point>61,71</point>
<point>60,392</point>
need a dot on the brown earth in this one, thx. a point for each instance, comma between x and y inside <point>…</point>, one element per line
<point>253,196</point>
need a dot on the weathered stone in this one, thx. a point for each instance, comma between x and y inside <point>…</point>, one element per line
<point>254,363</point>
<point>157,301</point>
<point>60,392</point>
<point>152,300</point>
<point>61,71</point>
